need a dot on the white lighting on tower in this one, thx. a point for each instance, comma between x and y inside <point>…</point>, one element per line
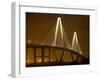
<point>59,24</point>
<point>75,43</point>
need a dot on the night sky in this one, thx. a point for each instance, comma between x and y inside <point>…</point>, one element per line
<point>39,24</point>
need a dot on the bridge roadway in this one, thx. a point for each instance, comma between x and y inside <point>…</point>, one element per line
<point>79,60</point>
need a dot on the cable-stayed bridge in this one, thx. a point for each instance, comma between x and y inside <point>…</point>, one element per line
<point>55,49</point>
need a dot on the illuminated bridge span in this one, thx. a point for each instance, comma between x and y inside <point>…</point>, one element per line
<point>49,55</point>
<point>55,49</point>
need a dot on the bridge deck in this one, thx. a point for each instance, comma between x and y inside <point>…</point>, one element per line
<point>79,60</point>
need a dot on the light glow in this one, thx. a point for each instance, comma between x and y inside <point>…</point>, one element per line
<point>39,60</point>
<point>29,41</point>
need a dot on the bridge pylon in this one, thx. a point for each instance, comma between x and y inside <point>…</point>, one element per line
<point>75,43</point>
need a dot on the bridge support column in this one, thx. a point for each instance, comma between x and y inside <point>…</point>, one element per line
<point>72,56</point>
<point>49,54</point>
<point>61,60</point>
<point>42,55</point>
<point>34,55</point>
